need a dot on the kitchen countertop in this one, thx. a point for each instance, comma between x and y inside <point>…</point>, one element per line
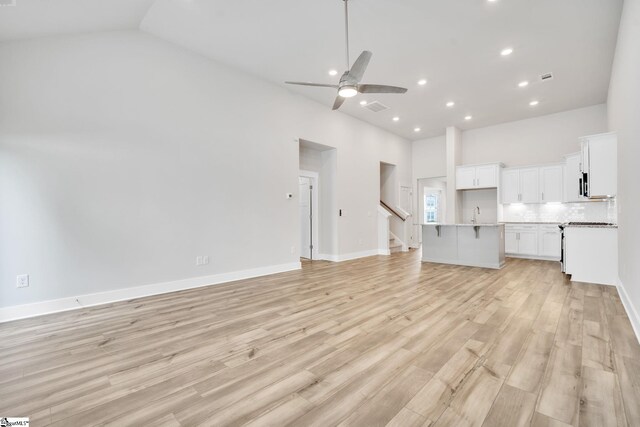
<point>463,225</point>
<point>591,225</point>
<point>531,222</point>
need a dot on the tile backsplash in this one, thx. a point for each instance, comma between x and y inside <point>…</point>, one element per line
<point>596,211</point>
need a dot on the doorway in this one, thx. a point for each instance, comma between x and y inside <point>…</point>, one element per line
<point>432,201</point>
<point>308,206</point>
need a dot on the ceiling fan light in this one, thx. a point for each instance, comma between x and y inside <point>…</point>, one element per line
<point>347,91</point>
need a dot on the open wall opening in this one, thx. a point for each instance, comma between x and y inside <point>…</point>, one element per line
<point>318,170</point>
<point>432,201</point>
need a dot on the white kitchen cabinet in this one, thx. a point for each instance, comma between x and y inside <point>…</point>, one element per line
<point>521,239</point>
<point>536,241</point>
<point>573,179</point>
<point>599,165</point>
<point>510,241</point>
<point>529,180</point>
<point>465,177</point>
<point>487,176</point>
<point>520,185</point>
<point>549,241</point>
<point>510,186</point>
<point>591,254</point>
<point>477,176</point>
<point>551,184</point>
<point>528,242</point>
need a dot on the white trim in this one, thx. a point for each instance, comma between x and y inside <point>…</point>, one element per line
<point>356,255</point>
<point>88,300</point>
<point>353,255</point>
<point>632,313</point>
<point>536,257</point>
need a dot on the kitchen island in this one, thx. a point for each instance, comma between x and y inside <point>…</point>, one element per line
<point>475,245</point>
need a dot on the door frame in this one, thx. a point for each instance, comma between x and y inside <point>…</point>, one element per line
<point>315,210</point>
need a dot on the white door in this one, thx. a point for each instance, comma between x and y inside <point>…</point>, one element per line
<point>529,185</point>
<point>528,242</point>
<point>465,177</point>
<point>551,184</point>
<point>487,176</point>
<point>305,198</point>
<point>550,243</point>
<point>510,242</point>
<point>510,186</point>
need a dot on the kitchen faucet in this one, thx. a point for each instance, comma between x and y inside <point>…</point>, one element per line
<point>474,219</point>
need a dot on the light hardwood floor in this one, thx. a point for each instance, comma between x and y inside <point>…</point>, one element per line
<point>372,342</point>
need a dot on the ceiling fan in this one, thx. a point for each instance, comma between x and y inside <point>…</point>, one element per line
<point>349,84</point>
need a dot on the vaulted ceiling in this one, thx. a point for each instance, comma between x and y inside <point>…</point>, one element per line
<point>454,44</point>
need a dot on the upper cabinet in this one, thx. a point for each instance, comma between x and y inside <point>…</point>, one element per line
<point>551,184</point>
<point>532,184</point>
<point>599,156</point>
<point>520,185</point>
<point>475,177</point>
<point>529,185</point>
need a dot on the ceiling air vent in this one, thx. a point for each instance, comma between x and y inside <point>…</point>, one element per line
<point>376,106</point>
<point>546,76</point>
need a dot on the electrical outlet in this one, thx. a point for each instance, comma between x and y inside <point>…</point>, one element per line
<point>22,281</point>
<point>205,259</point>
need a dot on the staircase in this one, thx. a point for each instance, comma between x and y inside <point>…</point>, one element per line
<point>395,245</point>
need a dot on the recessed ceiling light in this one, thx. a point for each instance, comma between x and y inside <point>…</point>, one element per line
<point>395,119</point>
<point>468,117</point>
<point>534,103</point>
<point>416,129</point>
<point>491,1</point>
<point>450,104</point>
<point>363,102</point>
<point>523,84</point>
<point>422,82</point>
<point>506,52</point>
<point>333,72</point>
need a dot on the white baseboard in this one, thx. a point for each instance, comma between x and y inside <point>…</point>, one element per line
<point>353,255</point>
<point>76,302</point>
<point>632,313</point>
<point>536,257</point>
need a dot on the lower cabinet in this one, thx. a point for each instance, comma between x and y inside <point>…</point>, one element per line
<point>550,241</point>
<point>532,240</point>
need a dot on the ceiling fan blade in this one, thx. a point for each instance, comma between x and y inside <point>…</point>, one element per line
<point>338,102</point>
<point>360,66</point>
<point>312,84</point>
<point>380,89</point>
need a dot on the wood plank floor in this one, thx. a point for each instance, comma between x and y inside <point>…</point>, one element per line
<point>371,342</point>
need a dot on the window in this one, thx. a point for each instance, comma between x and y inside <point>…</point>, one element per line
<point>431,207</point>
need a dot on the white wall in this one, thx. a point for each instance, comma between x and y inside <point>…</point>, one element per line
<point>544,139</point>
<point>624,118</point>
<point>486,200</point>
<point>122,157</point>
<point>429,158</point>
